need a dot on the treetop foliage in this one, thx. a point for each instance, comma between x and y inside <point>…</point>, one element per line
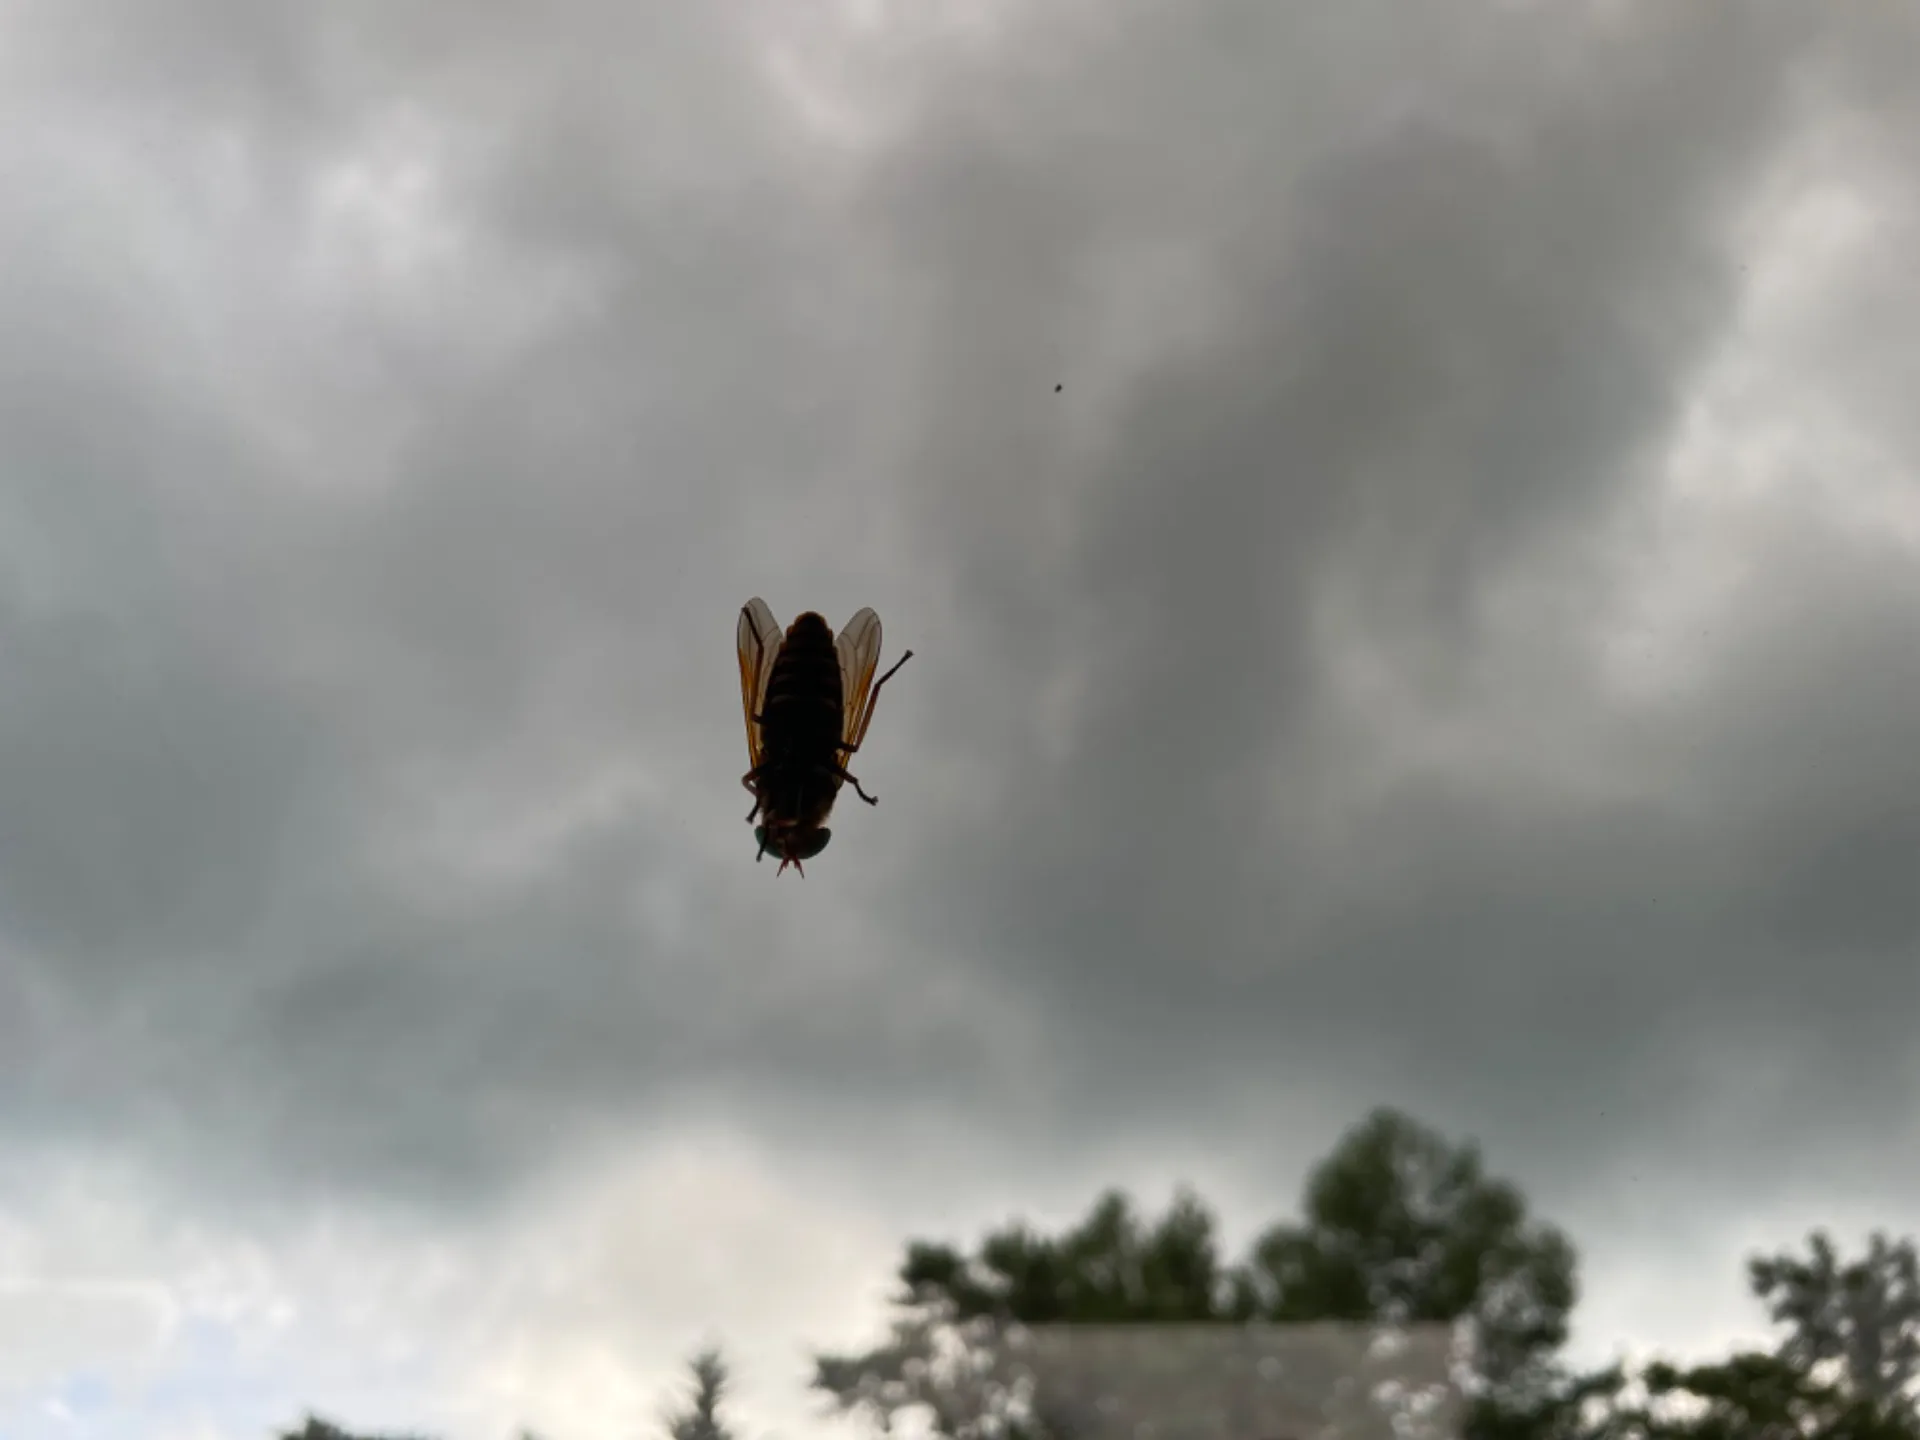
<point>1397,1228</point>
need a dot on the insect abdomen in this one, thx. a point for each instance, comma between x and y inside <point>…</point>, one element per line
<point>803,704</point>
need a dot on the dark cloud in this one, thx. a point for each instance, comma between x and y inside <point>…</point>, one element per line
<point>1252,420</point>
<point>1465,330</point>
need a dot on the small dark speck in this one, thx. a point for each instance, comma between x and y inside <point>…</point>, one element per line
<point>1058,388</point>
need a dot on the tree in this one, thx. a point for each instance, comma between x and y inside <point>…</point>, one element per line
<point>1399,1228</point>
<point>1862,1318</point>
<point>1843,1371</point>
<point>942,1357</point>
<point>314,1428</point>
<point>1564,1405</point>
<point>1108,1268</point>
<point>1750,1396</point>
<point>948,1368</point>
<point>1403,1227</point>
<point>699,1416</point>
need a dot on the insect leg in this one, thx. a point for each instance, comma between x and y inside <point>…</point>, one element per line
<point>873,699</point>
<point>905,656</point>
<point>748,782</point>
<point>844,775</point>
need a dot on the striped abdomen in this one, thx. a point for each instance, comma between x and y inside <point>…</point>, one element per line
<point>800,723</point>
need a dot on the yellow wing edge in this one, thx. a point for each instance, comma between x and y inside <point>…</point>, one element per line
<point>758,638</point>
<point>858,647</point>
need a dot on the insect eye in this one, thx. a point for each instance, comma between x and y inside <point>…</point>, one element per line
<point>760,836</point>
<point>814,846</point>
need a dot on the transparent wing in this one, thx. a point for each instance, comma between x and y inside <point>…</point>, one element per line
<point>758,637</point>
<point>858,646</point>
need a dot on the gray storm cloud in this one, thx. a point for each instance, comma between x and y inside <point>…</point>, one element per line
<point>397,409</point>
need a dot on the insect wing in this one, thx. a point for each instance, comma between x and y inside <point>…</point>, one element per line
<point>758,638</point>
<point>858,646</point>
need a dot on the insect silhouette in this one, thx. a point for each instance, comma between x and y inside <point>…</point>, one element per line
<point>809,697</point>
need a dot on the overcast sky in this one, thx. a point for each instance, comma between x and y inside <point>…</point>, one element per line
<point>1407,519</point>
